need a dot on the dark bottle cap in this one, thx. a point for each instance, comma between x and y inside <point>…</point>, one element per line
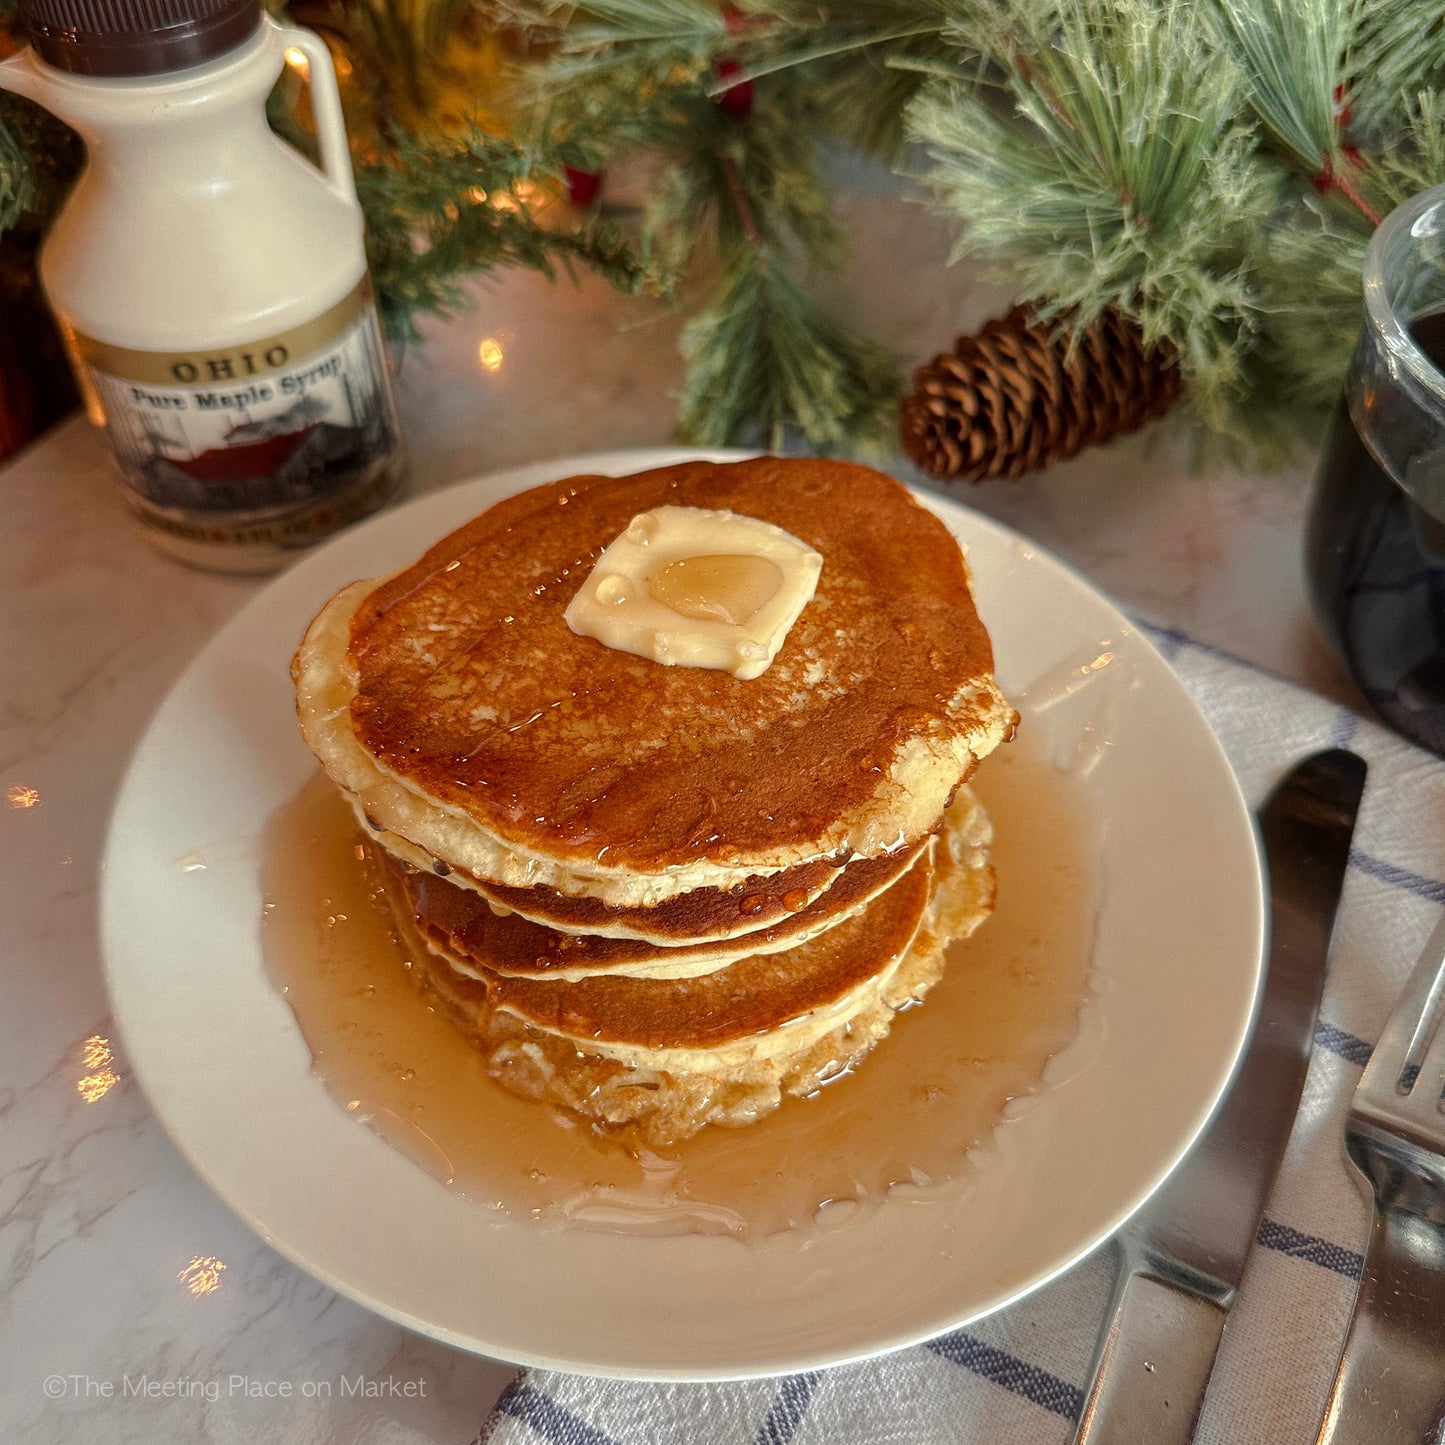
<point>136,37</point>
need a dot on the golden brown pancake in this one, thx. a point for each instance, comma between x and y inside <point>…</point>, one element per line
<point>664,896</point>
<point>700,916</point>
<point>512,946</point>
<point>456,707</point>
<point>748,999</point>
<point>662,1059</point>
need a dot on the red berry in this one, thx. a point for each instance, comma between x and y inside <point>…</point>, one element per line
<point>1343,113</point>
<point>737,99</point>
<point>582,186</point>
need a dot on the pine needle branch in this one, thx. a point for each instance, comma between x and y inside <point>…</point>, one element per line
<point>1123,177</point>
<point>1397,50</point>
<point>39,159</point>
<point>1416,158</point>
<point>764,363</point>
<point>856,61</point>
<point>440,210</point>
<point>738,193</point>
<point>1291,54</point>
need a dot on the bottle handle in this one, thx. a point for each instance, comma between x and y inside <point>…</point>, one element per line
<point>18,77</point>
<point>326,107</point>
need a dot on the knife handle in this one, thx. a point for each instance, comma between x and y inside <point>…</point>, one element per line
<point>1153,1365</point>
<point>1390,1387</point>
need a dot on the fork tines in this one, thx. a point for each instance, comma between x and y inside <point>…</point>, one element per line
<point>1401,1087</point>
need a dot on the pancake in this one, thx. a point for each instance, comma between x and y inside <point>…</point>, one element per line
<point>660,1060</point>
<point>510,946</point>
<point>748,1010</point>
<point>703,915</point>
<point>457,709</point>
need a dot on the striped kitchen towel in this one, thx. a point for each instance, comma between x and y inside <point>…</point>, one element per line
<point>1018,1377</point>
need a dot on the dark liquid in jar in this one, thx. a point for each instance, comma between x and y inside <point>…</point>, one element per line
<point>904,1123</point>
<point>1376,566</point>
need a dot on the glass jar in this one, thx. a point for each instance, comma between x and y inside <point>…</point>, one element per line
<point>1375,540</point>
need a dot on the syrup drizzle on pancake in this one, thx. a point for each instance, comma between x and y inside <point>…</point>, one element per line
<point>904,1124</point>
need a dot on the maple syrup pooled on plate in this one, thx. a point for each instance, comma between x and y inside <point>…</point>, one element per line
<point>904,1123</point>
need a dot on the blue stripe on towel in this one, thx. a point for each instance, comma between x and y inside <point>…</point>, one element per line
<point>1397,877</point>
<point>1011,1372</point>
<point>1170,644</point>
<point>1347,1046</point>
<point>1169,641</point>
<point>1343,731</point>
<point>788,1409</point>
<point>553,1422</point>
<point>1308,1246</point>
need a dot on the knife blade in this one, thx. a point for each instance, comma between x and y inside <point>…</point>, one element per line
<point>1182,1256</point>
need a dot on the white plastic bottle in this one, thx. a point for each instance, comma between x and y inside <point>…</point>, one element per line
<point>212,283</point>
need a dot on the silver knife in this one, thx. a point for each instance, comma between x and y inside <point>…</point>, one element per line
<point>1183,1254</point>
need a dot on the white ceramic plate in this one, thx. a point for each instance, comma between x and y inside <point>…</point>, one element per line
<point>1178,957</point>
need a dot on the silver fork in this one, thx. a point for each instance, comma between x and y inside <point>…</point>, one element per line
<point>1390,1386</point>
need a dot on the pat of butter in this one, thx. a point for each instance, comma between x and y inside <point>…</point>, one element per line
<point>690,587</point>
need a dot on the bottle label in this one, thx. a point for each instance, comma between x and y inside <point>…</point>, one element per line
<point>271,443</point>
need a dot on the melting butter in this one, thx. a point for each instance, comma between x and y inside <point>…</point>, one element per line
<point>693,587</point>
<point>730,588</point>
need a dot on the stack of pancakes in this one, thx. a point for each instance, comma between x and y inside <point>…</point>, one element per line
<point>661,896</point>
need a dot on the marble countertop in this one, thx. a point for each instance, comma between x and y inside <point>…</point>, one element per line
<point>133,1305</point>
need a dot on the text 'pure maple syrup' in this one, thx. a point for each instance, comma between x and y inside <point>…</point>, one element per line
<point>904,1124</point>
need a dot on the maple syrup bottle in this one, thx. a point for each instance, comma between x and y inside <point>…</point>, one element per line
<point>211,283</point>
<point>1375,544</point>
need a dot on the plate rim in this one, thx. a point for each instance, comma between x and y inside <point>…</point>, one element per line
<point>509,479</point>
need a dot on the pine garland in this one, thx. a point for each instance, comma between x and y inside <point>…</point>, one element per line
<point>1113,174</point>
<point>1396,51</point>
<point>738,199</point>
<point>39,158</point>
<point>1289,128</point>
<point>764,362</point>
<point>442,209</point>
<point>1208,170</point>
<point>416,67</point>
<point>444,198</point>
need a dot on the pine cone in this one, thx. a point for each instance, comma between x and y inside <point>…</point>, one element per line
<point>1012,398</point>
